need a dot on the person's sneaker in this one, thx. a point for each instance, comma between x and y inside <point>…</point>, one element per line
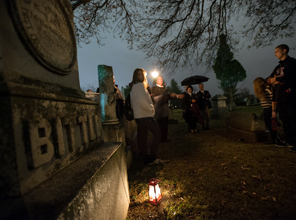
<point>155,162</point>
<point>289,145</point>
<point>279,143</point>
<point>293,149</point>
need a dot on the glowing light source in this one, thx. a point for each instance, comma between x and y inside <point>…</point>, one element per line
<point>155,74</point>
<point>154,191</point>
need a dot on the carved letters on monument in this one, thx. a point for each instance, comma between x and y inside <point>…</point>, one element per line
<point>41,133</point>
<point>45,28</point>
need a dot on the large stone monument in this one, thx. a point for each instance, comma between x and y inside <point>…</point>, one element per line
<point>54,162</point>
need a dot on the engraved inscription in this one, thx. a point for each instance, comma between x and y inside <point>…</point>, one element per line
<point>42,148</point>
<point>47,30</point>
<point>41,134</point>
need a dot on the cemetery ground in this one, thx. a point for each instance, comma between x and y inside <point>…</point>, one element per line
<point>215,175</point>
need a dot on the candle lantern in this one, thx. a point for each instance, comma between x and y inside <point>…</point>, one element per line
<point>154,191</point>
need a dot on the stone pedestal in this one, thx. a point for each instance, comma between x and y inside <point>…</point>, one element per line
<point>108,101</point>
<point>94,187</point>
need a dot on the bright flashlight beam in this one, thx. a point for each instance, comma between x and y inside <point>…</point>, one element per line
<point>155,74</point>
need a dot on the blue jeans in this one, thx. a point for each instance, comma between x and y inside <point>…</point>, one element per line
<point>145,124</point>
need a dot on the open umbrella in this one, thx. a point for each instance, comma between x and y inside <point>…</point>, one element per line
<point>194,80</point>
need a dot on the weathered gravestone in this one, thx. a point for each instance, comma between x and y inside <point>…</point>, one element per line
<point>54,164</point>
<point>219,107</point>
<point>249,126</point>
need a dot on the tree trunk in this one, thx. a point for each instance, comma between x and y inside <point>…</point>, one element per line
<point>232,105</point>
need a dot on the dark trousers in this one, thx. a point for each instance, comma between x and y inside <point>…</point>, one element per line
<point>163,126</point>
<point>267,113</point>
<point>145,124</point>
<point>192,123</point>
<point>287,112</point>
<point>206,118</point>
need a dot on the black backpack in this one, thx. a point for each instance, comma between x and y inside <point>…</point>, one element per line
<point>128,111</point>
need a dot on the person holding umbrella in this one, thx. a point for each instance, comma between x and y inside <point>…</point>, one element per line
<point>202,97</point>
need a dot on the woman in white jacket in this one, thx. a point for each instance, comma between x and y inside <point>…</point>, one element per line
<point>143,110</point>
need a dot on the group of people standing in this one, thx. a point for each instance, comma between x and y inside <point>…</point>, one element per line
<point>196,108</point>
<point>151,112</point>
<point>277,94</point>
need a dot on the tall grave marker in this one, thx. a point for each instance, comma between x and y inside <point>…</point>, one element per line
<point>46,123</point>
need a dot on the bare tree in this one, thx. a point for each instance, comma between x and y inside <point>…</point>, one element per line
<point>94,17</point>
<point>184,32</point>
<point>269,20</point>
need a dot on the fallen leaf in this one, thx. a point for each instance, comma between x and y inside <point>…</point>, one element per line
<point>274,199</point>
<point>245,192</point>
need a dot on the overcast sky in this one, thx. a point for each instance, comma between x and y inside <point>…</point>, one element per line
<point>257,62</point>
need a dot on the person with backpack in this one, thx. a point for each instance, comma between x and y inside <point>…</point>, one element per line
<point>143,112</point>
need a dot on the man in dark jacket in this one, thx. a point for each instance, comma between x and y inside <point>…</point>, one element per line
<point>203,100</point>
<point>160,97</point>
<point>283,80</point>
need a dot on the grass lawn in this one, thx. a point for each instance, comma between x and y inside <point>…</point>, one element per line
<point>257,109</point>
<point>214,175</point>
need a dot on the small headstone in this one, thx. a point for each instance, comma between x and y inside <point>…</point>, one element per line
<point>108,100</point>
<point>219,107</point>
